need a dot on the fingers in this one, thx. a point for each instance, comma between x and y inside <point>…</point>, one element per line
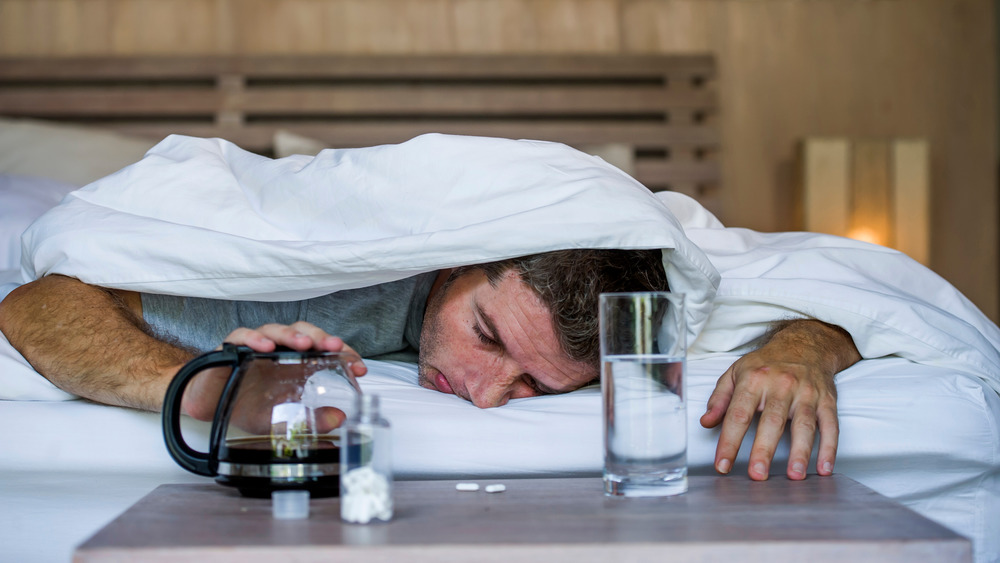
<point>254,339</point>
<point>738,417</point>
<point>779,395</point>
<point>298,336</point>
<point>718,402</point>
<point>829,435</point>
<point>770,427</point>
<point>803,433</point>
<point>806,420</point>
<point>328,418</point>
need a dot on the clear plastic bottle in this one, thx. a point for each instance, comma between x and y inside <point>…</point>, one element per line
<point>366,464</point>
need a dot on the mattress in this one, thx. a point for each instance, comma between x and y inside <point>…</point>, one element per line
<point>924,436</point>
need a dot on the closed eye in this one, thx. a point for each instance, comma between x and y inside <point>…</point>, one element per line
<point>483,338</point>
<point>535,386</point>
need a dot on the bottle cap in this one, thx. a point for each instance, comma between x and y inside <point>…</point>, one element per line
<point>290,505</point>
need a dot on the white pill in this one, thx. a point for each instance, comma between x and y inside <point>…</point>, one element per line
<point>497,488</point>
<point>467,487</point>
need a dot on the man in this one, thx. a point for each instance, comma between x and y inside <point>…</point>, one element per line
<point>488,333</point>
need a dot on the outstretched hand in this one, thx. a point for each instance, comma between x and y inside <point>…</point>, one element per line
<point>790,378</point>
<point>202,394</point>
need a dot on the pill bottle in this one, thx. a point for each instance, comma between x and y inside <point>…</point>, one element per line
<point>366,464</point>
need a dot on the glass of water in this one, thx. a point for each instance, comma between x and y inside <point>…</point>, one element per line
<point>643,354</point>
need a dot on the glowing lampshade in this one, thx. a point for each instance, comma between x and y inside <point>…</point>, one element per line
<point>872,190</point>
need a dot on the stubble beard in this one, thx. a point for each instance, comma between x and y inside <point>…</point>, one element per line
<point>430,337</point>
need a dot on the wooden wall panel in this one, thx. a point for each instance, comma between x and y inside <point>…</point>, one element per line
<point>527,26</point>
<point>349,26</point>
<point>789,69</point>
<point>869,189</point>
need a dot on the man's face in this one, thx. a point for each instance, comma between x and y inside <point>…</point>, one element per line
<point>491,344</point>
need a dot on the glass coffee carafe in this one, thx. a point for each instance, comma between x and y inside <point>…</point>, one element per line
<point>276,424</point>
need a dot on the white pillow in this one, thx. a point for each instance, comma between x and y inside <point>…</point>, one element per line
<point>287,143</point>
<point>73,154</point>
<point>619,155</point>
<point>22,200</point>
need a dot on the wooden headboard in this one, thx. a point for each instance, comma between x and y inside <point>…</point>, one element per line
<point>661,109</point>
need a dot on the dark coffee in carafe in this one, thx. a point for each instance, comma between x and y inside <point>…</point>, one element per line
<point>257,466</point>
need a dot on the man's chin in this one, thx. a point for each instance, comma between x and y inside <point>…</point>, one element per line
<point>424,382</point>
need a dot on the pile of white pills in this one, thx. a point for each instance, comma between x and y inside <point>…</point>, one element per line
<point>471,487</point>
<point>365,495</point>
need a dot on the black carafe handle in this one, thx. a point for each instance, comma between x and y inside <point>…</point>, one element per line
<point>186,456</point>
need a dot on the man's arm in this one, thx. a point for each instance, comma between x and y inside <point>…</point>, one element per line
<point>790,377</point>
<point>92,342</point>
<point>87,340</point>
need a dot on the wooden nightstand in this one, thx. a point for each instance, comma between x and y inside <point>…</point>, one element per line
<point>545,520</point>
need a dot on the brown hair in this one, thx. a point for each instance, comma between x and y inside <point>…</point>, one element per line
<point>569,282</point>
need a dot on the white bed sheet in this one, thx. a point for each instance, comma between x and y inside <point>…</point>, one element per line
<point>923,435</point>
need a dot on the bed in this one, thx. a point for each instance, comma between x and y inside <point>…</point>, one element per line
<point>919,418</point>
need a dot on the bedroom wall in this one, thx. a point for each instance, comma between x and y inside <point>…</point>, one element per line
<point>788,69</point>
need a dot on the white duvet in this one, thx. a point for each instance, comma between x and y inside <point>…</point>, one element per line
<point>201,217</point>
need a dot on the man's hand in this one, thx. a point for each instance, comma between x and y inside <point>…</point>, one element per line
<point>789,378</point>
<point>202,394</point>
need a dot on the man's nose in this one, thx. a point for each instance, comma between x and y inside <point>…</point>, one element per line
<point>494,388</point>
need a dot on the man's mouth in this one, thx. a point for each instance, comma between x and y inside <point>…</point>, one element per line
<point>441,382</point>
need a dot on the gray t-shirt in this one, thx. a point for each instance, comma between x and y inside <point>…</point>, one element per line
<point>381,322</point>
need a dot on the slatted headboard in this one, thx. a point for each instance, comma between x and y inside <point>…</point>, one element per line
<point>661,109</point>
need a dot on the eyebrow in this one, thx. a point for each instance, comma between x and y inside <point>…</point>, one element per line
<point>495,335</point>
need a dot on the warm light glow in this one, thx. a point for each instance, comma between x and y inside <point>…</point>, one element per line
<point>866,234</point>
